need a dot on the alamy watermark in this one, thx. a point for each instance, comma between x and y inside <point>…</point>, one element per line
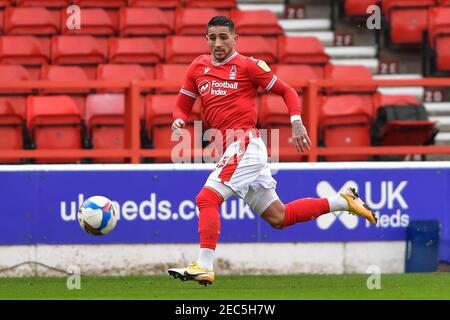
<point>74,280</point>
<point>374,280</point>
<point>73,21</point>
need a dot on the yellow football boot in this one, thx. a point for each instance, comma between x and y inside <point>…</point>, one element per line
<point>194,272</point>
<point>356,204</point>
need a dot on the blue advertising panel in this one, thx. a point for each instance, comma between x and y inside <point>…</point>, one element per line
<point>158,205</point>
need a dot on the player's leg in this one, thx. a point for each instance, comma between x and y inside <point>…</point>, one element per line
<point>280,215</point>
<point>208,200</point>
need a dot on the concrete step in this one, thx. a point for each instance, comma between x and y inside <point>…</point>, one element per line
<point>351,52</point>
<point>277,8</point>
<point>415,91</point>
<point>399,76</point>
<point>372,64</point>
<point>305,24</point>
<point>438,108</point>
<point>443,138</point>
<point>326,37</point>
<point>443,123</point>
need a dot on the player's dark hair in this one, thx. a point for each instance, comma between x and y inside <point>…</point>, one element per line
<point>221,21</point>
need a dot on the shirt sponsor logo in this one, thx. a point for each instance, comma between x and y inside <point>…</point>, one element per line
<point>204,87</point>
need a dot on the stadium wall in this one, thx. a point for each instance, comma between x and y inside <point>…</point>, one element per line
<point>39,233</point>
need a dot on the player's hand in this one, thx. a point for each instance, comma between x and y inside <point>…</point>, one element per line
<point>177,125</point>
<point>300,136</point>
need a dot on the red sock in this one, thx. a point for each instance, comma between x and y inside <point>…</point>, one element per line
<point>208,202</point>
<point>302,210</point>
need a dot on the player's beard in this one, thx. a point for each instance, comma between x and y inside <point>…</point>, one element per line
<point>220,55</point>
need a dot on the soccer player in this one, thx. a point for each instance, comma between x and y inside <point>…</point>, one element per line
<point>227,83</point>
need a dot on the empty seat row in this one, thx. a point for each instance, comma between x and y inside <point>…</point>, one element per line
<point>120,3</point>
<point>132,21</point>
<point>88,50</point>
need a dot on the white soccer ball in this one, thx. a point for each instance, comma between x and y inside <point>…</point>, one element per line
<point>97,215</point>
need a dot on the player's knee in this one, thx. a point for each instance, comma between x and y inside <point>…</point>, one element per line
<point>207,197</point>
<point>277,223</point>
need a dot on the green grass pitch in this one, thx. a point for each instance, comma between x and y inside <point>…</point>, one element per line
<point>264,287</point>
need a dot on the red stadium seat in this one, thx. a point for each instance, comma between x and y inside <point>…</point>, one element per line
<point>11,72</point>
<point>358,8</point>
<point>407,19</point>
<point>273,115</point>
<point>256,22</point>
<point>31,21</point>
<point>105,119</point>
<point>93,21</point>
<point>12,116</point>
<point>43,3</point>
<point>136,50</point>
<point>258,47</point>
<point>444,3</point>
<point>193,21</point>
<point>306,50</point>
<point>159,121</point>
<point>296,72</point>
<point>26,50</point>
<point>223,4</point>
<point>54,122</point>
<point>145,21</point>
<point>63,73</point>
<point>170,72</point>
<point>6,3</point>
<point>123,72</point>
<point>349,73</point>
<point>101,3</point>
<point>439,36</point>
<point>345,122</point>
<point>78,50</point>
<point>166,4</point>
<point>184,49</point>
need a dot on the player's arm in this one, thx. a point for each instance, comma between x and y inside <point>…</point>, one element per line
<point>261,75</point>
<point>299,134</point>
<point>185,101</point>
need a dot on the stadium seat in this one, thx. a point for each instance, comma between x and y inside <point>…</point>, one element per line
<point>394,99</point>
<point>12,119</point>
<point>12,72</point>
<point>93,21</point>
<point>31,21</point>
<point>407,20</point>
<point>166,4</point>
<point>224,4</point>
<point>305,50</point>
<point>192,21</point>
<point>145,21</point>
<point>444,3</point>
<point>349,73</point>
<point>256,22</point>
<point>345,121</point>
<point>25,50</point>
<point>439,36</point>
<point>78,50</point>
<point>136,50</point>
<point>123,72</point>
<point>54,122</point>
<point>63,73</point>
<point>273,115</point>
<point>159,121</point>
<point>43,3</point>
<point>170,72</point>
<point>105,119</point>
<point>101,3</point>
<point>290,73</point>
<point>259,47</point>
<point>6,3</point>
<point>184,49</point>
<point>358,8</point>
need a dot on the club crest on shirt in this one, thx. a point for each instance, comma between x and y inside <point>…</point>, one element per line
<point>233,72</point>
<point>263,65</point>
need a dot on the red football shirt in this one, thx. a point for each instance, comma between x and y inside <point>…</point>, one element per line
<point>228,89</point>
